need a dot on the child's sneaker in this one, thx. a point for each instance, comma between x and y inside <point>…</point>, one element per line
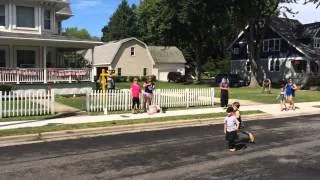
<point>232,150</point>
<point>251,137</point>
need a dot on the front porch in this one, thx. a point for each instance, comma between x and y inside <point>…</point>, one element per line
<point>44,59</point>
<point>44,75</point>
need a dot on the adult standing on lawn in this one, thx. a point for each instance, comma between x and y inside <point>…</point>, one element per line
<point>290,93</point>
<point>148,93</point>
<point>224,96</point>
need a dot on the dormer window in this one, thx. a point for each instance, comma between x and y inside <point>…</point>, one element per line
<point>25,17</point>
<point>236,51</point>
<point>47,19</point>
<point>316,43</point>
<point>271,45</point>
<point>2,15</point>
<point>132,52</point>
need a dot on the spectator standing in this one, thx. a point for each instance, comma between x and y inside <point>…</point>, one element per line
<point>282,98</point>
<point>149,87</point>
<point>224,96</point>
<point>135,94</point>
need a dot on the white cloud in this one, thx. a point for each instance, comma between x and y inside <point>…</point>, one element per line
<point>306,13</point>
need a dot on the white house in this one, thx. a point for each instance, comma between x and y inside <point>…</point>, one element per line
<point>132,57</point>
<point>31,45</point>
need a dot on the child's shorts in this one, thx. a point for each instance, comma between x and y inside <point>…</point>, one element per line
<point>231,135</point>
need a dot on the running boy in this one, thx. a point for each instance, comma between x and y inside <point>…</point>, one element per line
<point>135,93</point>
<point>282,98</point>
<point>236,106</point>
<point>231,125</point>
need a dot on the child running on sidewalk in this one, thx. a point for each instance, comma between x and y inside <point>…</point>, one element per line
<point>231,125</point>
<point>236,106</point>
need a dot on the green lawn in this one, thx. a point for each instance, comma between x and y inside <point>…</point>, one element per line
<point>76,102</point>
<point>254,94</point>
<point>52,128</point>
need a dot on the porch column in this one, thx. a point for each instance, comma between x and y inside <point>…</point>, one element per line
<point>308,66</point>
<point>45,64</point>
<point>93,72</point>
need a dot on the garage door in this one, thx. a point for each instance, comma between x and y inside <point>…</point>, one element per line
<point>163,75</point>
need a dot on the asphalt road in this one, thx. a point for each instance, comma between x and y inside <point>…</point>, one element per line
<point>284,149</point>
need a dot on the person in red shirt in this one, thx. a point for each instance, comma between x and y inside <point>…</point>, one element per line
<point>135,94</point>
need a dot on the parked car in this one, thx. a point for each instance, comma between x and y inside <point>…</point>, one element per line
<point>175,77</point>
<point>234,80</point>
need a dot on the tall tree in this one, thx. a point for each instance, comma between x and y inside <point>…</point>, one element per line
<point>74,32</point>
<point>122,24</point>
<point>197,27</point>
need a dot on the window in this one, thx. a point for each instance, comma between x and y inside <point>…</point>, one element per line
<point>314,67</point>
<point>2,15</point>
<point>316,43</point>
<point>299,66</point>
<point>25,17</point>
<point>277,45</point>
<point>265,46</point>
<point>236,51</point>
<point>133,53</point>
<point>26,58</point>
<point>144,71</point>
<point>47,19</point>
<point>119,71</point>
<point>271,65</point>
<point>248,66</point>
<point>271,45</point>
<point>277,65</point>
<point>2,58</point>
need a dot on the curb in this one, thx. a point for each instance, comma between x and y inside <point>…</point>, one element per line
<point>123,129</point>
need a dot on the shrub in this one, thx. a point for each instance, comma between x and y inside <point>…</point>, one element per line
<point>6,88</point>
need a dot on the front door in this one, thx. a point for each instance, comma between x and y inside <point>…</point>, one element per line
<point>3,57</point>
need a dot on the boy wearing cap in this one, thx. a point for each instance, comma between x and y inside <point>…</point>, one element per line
<point>231,125</point>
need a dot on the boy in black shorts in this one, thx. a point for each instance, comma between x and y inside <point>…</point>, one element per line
<point>236,106</point>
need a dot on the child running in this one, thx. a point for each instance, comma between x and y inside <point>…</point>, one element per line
<point>135,93</point>
<point>231,125</point>
<point>236,106</point>
<point>282,98</point>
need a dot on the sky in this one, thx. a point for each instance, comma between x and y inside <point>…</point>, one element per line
<point>93,15</point>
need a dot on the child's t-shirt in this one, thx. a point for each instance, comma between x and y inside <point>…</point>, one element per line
<point>231,123</point>
<point>135,90</point>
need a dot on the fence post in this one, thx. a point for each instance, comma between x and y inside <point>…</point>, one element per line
<point>52,103</point>
<point>188,97</point>
<point>212,96</point>
<point>126,97</point>
<point>0,104</point>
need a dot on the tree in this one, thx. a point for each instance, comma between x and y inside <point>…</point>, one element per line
<point>76,33</point>
<point>122,24</point>
<point>199,28</point>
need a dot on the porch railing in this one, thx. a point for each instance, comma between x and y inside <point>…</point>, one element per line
<point>43,75</point>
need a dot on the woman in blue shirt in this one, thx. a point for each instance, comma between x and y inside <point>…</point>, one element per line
<point>290,92</point>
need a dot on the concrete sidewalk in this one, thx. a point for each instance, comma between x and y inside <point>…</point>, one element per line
<point>273,110</point>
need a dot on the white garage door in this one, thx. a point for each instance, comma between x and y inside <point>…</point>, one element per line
<point>163,75</point>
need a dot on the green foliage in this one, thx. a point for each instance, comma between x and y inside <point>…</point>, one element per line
<point>6,88</point>
<point>122,24</point>
<point>76,33</point>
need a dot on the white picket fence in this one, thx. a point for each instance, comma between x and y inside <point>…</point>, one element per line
<point>120,100</point>
<point>27,103</point>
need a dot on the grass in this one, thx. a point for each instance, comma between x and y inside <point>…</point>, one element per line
<point>52,128</point>
<point>25,118</point>
<point>78,102</point>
